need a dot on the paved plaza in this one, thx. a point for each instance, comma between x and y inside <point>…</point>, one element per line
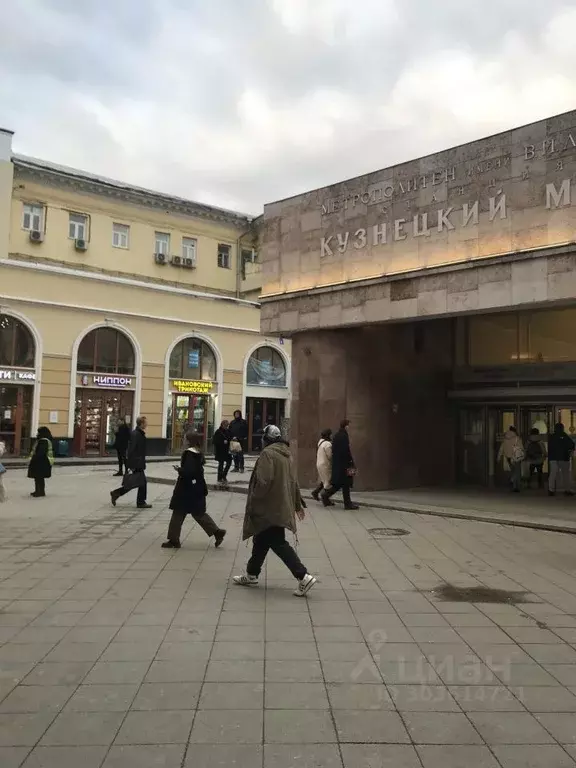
<point>451,645</point>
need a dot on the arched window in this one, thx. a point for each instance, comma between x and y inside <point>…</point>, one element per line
<point>106,350</point>
<point>17,348</point>
<point>266,368</point>
<point>193,359</point>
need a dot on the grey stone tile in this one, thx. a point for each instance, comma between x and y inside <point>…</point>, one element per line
<point>38,635</point>
<point>64,757</point>
<point>187,634</point>
<point>289,634</point>
<point>302,755</point>
<point>486,698</point>
<point>381,756</point>
<point>370,727</point>
<point>334,635</point>
<point>24,651</point>
<point>235,671</point>
<point>158,727</point>
<point>238,650</point>
<point>295,696</point>
<point>240,634</point>
<point>533,757</point>
<point>221,726</point>
<point>561,726</point>
<point>90,634</point>
<point>184,652</point>
<point>434,635</point>
<point>546,699</point>
<point>82,729</point>
<point>117,672</point>
<point>102,698</point>
<point>408,672</point>
<point>159,756</point>
<point>343,651</point>
<point>509,728</point>
<point>176,671</point>
<point>440,728</point>
<point>240,619</point>
<point>222,756</point>
<point>13,757</point>
<point>288,671</point>
<point>359,696</point>
<point>297,726</point>
<point>232,696</point>
<point>551,654</point>
<point>529,635</point>
<point>171,696</point>
<point>23,730</point>
<point>422,698</point>
<point>456,757</point>
<point>334,620</point>
<point>36,698</point>
<point>277,650</point>
<point>530,674</point>
<point>69,652</point>
<point>277,619</point>
<point>363,671</point>
<point>140,651</point>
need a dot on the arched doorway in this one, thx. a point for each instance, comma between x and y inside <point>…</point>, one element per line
<point>105,388</point>
<point>192,390</point>
<point>266,392</point>
<point>17,382</point>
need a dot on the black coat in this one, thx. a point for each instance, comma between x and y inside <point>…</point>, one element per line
<point>239,429</point>
<point>222,439</point>
<point>136,457</point>
<point>190,490</point>
<point>342,459</point>
<point>40,466</point>
<point>122,439</point>
<point>560,447</point>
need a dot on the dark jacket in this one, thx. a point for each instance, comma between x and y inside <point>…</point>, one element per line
<point>535,450</point>
<point>273,494</point>
<point>560,447</point>
<point>190,490</point>
<point>40,465</point>
<point>136,457</point>
<point>221,444</point>
<point>122,439</point>
<point>239,429</point>
<point>342,459</point>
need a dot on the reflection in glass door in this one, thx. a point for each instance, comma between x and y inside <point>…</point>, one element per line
<point>472,447</point>
<point>499,422</point>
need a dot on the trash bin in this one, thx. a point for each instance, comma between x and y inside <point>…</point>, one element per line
<point>62,448</point>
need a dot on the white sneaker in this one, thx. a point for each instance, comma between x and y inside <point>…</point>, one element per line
<point>245,580</point>
<point>305,585</point>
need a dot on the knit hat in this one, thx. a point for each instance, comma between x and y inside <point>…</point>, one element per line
<point>272,433</point>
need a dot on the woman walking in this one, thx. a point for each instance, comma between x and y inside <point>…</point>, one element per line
<point>41,461</point>
<point>324,465</point>
<point>189,497</point>
<point>512,451</point>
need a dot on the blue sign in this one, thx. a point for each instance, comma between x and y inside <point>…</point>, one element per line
<point>194,358</point>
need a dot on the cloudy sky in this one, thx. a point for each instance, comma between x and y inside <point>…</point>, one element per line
<point>240,102</point>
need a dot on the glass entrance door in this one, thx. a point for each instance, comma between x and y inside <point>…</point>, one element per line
<point>499,422</point>
<point>472,446</point>
<point>97,415</point>
<point>260,413</point>
<point>191,412</point>
<point>16,418</point>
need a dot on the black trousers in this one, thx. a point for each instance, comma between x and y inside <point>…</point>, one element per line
<point>344,487</point>
<point>536,469</point>
<point>177,520</point>
<point>122,461</point>
<point>142,491</point>
<point>275,539</point>
<point>40,486</point>
<point>223,467</point>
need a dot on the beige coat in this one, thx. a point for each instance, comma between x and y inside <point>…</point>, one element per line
<point>324,461</point>
<point>511,447</point>
<point>273,494</point>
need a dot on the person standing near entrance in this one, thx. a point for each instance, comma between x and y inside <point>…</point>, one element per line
<point>121,443</point>
<point>189,497</point>
<point>137,464</point>
<point>535,456</point>
<point>512,451</point>
<point>41,461</point>
<point>222,454</point>
<point>324,464</point>
<point>274,502</point>
<point>239,432</point>
<point>343,468</point>
<point>560,452</point>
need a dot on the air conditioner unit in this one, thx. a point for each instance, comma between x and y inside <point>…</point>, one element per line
<point>160,258</point>
<point>189,263</point>
<point>177,261</point>
<point>36,236</point>
<point>80,244</point>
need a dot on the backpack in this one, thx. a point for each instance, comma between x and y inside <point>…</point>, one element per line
<point>534,451</point>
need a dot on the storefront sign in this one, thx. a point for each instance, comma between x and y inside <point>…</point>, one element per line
<point>111,381</point>
<point>17,376</point>
<point>192,387</point>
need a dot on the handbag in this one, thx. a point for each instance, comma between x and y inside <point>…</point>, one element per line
<point>133,480</point>
<point>235,446</point>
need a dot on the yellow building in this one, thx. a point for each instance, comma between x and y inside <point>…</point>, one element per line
<point>117,301</point>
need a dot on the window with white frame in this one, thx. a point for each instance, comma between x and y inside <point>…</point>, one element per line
<point>33,217</point>
<point>162,243</point>
<point>189,249</point>
<point>120,235</point>
<point>77,226</point>
<point>224,256</point>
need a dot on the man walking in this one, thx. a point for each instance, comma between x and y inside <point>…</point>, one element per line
<point>121,443</point>
<point>343,468</point>
<point>560,451</point>
<point>273,503</point>
<point>239,432</point>
<point>136,460</point>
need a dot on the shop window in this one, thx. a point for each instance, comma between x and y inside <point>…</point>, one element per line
<point>16,344</point>
<point>493,339</point>
<point>551,336</point>
<point>193,359</point>
<point>106,350</point>
<point>266,368</point>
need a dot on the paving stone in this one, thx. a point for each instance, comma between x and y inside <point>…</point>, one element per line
<point>456,757</point>
<point>289,671</point>
<point>546,699</point>
<point>239,634</point>
<point>171,696</point>
<point>381,756</point>
<point>487,698</point>
<point>422,698</point>
<point>440,728</point>
<point>235,671</point>
<point>158,756</point>
<point>561,726</point>
<point>297,726</point>
<point>295,696</point>
<point>302,755</point>
<point>158,727</point>
<point>333,635</point>
<point>63,757</point>
<point>23,730</point>
<point>533,757</point>
<point>509,728</point>
<point>221,756</point>
<point>102,698</point>
<point>78,729</point>
<point>227,727</point>
<point>232,696</point>
<point>288,651</point>
<point>36,698</point>
<point>365,727</point>
<point>58,673</point>
<point>175,671</point>
<point>117,672</point>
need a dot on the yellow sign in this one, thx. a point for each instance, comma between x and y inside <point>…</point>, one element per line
<point>193,387</point>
